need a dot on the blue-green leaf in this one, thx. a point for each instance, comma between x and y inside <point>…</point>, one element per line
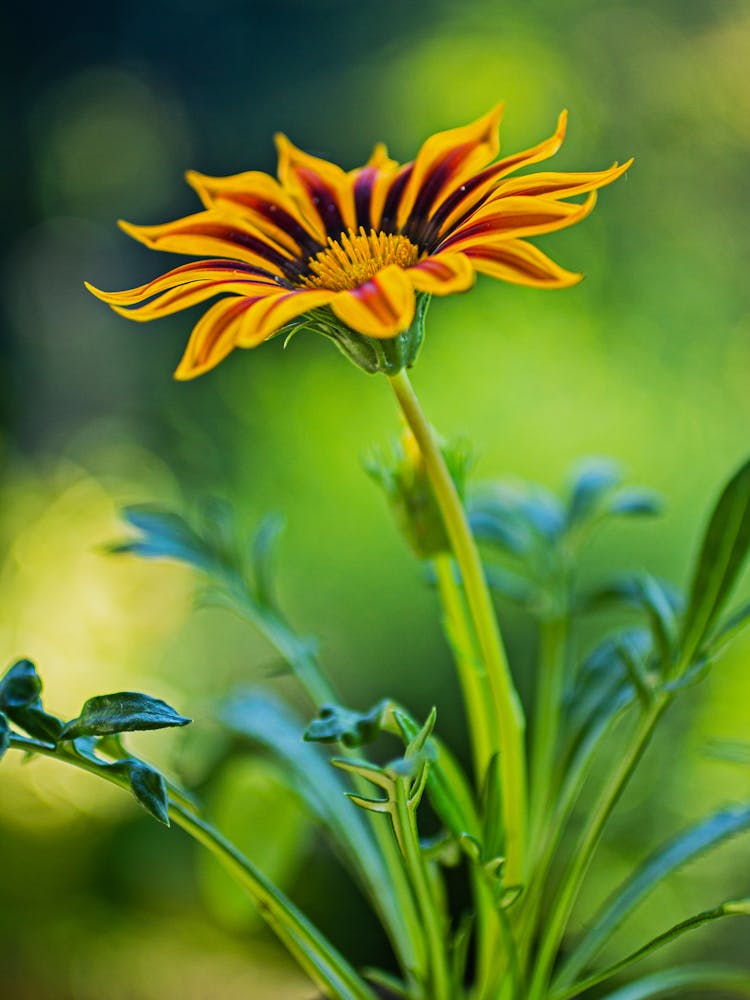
<point>123,712</point>
<point>722,556</point>
<point>20,685</point>
<point>595,478</point>
<point>674,982</point>
<point>635,503</point>
<point>337,724</point>
<point>263,552</point>
<point>685,847</point>
<point>148,787</point>
<point>4,734</point>
<point>733,908</point>
<point>165,535</point>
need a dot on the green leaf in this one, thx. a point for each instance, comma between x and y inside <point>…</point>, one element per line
<point>123,712</point>
<point>148,787</point>
<point>674,982</point>
<point>4,735</point>
<point>20,699</point>
<point>685,847</point>
<point>20,686</point>
<point>342,725</point>
<point>722,555</point>
<point>263,552</point>
<point>733,908</point>
<point>730,628</point>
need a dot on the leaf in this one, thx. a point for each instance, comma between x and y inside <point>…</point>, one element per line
<point>123,712</point>
<point>635,503</point>
<point>263,551</point>
<point>731,627</point>
<point>166,535</point>
<point>20,690</point>
<point>685,847</point>
<point>148,787</point>
<point>595,478</point>
<point>673,982</point>
<point>722,555</point>
<point>733,908</point>
<point>342,725</point>
<point>20,686</point>
<point>4,735</point>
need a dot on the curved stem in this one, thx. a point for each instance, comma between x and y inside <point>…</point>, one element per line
<point>471,673</point>
<point>583,855</point>
<point>433,922</point>
<point>315,954</point>
<point>505,704</point>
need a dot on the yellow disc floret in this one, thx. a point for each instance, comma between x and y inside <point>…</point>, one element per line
<point>356,257</point>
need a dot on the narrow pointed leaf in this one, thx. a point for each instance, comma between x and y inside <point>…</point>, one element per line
<point>263,552</point>
<point>733,908</point>
<point>595,479</point>
<point>722,555</point>
<point>123,712</point>
<point>682,849</point>
<point>674,982</point>
<point>730,629</point>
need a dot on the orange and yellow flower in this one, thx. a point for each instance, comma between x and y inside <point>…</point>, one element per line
<point>357,252</point>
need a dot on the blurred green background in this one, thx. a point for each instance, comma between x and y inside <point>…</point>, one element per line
<point>647,361</point>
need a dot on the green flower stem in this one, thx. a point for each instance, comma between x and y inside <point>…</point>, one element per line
<point>505,703</point>
<point>326,967</point>
<point>562,907</point>
<point>471,672</point>
<point>549,692</point>
<point>429,907</point>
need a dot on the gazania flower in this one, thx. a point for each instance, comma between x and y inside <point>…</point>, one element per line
<point>356,255</point>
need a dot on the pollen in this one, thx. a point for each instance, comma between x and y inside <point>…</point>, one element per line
<point>354,258</point>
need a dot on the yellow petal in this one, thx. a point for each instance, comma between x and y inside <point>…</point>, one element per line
<point>268,315</point>
<point>210,234</point>
<point>442,274</point>
<point>513,217</point>
<point>198,271</point>
<point>261,200</point>
<point>559,185</point>
<point>522,264</point>
<point>464,197</point>
<point>381,307</point>
<point>447,158</point>
<point>213,338</point>
<point>322,190</point>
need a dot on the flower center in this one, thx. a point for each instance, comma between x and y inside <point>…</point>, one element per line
<point>356,257</point>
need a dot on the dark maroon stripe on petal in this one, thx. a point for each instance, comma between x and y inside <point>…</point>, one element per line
<point>245,240</point>
<point>389,217</point>
<point>363,197</point>
<point>431,187</point>
<point>324,201</point>
<point>278,216</point>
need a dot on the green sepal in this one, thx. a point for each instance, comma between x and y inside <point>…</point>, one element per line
<point>122,712</point>
<point>388,355</point>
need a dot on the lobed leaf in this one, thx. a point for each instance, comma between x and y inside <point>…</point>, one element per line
<point>123,712</point>
<point>337,724</point>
